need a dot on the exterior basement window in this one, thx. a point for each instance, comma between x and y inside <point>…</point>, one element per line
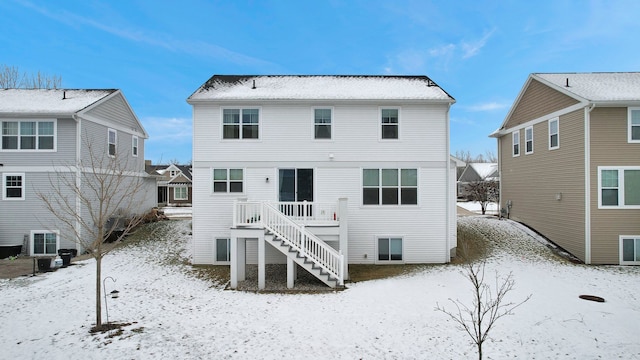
<point>630,250</point>
<point>389,249</point>
<point>44,243</point>
<point>223,250</point>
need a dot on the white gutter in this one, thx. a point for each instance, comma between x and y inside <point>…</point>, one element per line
<point>587,183</point>
<point>449,200</point>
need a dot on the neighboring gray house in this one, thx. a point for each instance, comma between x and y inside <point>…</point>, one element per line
<point>475,172</point>
<point>45,133</point>
<point>322,172</point>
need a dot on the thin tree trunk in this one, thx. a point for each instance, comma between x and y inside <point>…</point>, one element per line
<point>98,291</point>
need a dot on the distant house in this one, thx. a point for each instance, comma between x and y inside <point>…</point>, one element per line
<point>476,172</point>
<point>46,133</point>
<point>322,172</point>
<point>569,162</point>
<point>173,183</point>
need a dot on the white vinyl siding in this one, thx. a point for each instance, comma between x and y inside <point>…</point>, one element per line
<point>528,140</point>
<point>13,186</point>
<point>634,125</point>
<point>554,134</point>
<point>619,187</point>
<point>630,250</point>
<point>515,150</point>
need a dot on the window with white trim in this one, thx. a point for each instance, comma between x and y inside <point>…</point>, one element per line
<point>112,140</point>
<point>12,186</point>
<point>389,186</point>
<point>44,242</point>
<point>630,250</point>
<point>181,193</point>
<point>223,250</point>
<point>634,125</point>
<point>322,123</point>
<point>528,140</point>
<point>619,187</point>
<point>240,123</point>
<point>515,136</point>
<point>389,123</point>
<point>227,180</point>
<point>29,135</point>
<point>390,249</point>
<point>554,134</point>
<point>134,146</point>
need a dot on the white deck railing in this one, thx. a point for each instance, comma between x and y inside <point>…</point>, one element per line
<point>284,226</point>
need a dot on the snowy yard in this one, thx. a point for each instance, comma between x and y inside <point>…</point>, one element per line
<point>175,315</point>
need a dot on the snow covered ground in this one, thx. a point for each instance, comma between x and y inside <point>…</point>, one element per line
<point>175,315</point>
<point>492,208</point>
<point>177,212</point>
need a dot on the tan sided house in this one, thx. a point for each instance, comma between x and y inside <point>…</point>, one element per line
<point>569,162</point>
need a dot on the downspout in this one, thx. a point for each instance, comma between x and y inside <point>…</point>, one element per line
<point>587,183</point>
<point>499,178</point>
<point>78,170</point>
<point>449,198</point>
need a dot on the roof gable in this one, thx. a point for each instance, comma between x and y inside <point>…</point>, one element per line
<point>317,87</point>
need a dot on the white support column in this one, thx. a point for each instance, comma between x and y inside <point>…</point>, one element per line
<point>261,262</point>
<point>343,211</point>
<point>242,259</point>
<point>234,263</point>
<point>291,273</point>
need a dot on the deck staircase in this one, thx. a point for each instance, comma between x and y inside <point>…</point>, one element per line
<point>295,242</point>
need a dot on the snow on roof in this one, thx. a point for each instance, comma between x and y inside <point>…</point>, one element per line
<point>484,170</point>
<point>612,86</point>
<point>316,87</point>
<point>49,101</point>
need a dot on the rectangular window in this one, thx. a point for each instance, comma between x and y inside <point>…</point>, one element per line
<point>630,250</point>
<point>516,143</point>
<point>554,134</point>
<point>528,140</point>
<point>389,121</point>
<point>13,187</point>
<point>240,123</point>
<point>181,193</point>
<point>619,187</point>
<point>634,125</point>
<point>322,123</point>
<point>223,250</point>
<point>227,180</point>
<point>28,135</point>
<point>389,186</point>
<point>44,243</point>
<point>112,140</point>
<point>134,146</point>
<point>389,249</point>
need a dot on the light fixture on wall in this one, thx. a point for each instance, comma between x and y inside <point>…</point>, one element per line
<point>266,180</point>
<point>330,156</point>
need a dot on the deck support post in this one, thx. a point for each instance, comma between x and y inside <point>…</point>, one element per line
<point>261,262</point>
<point>343,211</point>
<point>291,273</point>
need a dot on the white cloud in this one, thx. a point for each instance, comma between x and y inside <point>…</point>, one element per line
<point>471,49</point>
<point>178,130</point>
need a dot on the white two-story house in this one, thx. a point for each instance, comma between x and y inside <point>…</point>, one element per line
<point>322,172</point>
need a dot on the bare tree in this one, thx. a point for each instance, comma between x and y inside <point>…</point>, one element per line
<point>96,200</point>
<point>466,156</point>
<point>490,156</point>
<point>487,307</point>
<point>10,78</point>
<point>483,192</point>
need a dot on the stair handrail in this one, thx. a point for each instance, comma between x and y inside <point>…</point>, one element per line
<point>300,239</point>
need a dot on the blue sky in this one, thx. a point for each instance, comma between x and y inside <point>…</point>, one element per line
<point>159,52</point>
